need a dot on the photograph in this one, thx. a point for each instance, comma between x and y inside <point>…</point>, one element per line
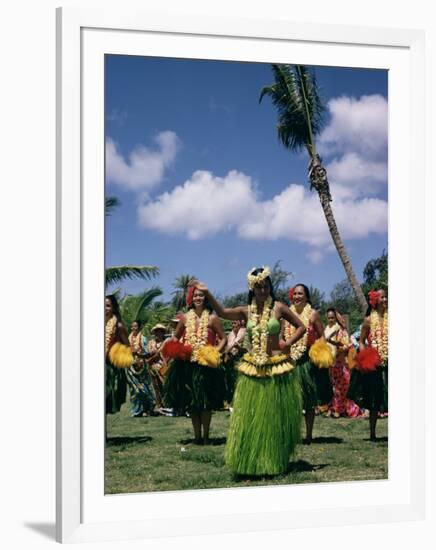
<point>246,274</point>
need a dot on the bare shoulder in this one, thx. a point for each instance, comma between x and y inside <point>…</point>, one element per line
<point>315,316</point>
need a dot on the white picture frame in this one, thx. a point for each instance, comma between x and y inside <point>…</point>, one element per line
<point>83,37</point>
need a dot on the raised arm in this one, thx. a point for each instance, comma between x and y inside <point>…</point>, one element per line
<point>238,313</point>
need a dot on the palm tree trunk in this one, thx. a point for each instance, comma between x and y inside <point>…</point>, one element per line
<point>318,180</point>
<point>331,222</point>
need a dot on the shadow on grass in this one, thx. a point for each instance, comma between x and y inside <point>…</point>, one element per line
<point>304,466</point>
<point>377,439</point>
<point>115,441</point>
<point>327,440</point>
<point>293,467</point>
<point>213,441</point>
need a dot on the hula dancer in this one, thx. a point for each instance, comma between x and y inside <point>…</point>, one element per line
<point>372,360</point>
<point>315,382</point>
<point>118,356</point>
<point>142,400</point>
<point>266,420</point>
<point>337,337</point>
<point>194,382</point>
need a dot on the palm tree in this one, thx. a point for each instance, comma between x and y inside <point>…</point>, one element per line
<point>181,284</point>
<point>300,110</point>
<point>109,204</point>
<point>119,273</point>
<point>135,308</point>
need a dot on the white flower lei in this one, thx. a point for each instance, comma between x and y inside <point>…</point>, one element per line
<point>196,336</point>
<point>298,349</point>
<point>110,328</point>
<point>260,331</point>
<point>379,333</point>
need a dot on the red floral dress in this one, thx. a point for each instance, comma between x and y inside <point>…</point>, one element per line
<point>340,379</point>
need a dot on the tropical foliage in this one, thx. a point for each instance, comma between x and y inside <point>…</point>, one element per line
<point>119,273</point>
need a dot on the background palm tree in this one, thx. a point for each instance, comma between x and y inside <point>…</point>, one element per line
<point>181,284</point>
<point>135,308</point>
<point>109,204</point>
<point>301,110</point>
<point>120,273</point>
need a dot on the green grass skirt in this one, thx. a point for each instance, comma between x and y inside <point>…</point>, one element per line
<point>316,386</point>
<point>193,387</point>
<point>265,425</point>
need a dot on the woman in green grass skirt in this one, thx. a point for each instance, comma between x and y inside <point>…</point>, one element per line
<point>315,383</point>
<point>266,420</point>
<point>195,380</point>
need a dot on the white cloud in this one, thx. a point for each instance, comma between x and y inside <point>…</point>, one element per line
<point>357,125</point>
<point>144,168</point>
<point>206,205</point>
<point>202,206</point>
<point>353,176</point>
<point>356,138</point>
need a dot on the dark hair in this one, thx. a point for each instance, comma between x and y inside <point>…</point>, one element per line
<point>271,290</point>
<point>137,322</point>
<point>306,292</point>
<point>206,303</point>
<point>115,306</point>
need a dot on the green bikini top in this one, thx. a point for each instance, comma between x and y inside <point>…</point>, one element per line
<point>273,326</point>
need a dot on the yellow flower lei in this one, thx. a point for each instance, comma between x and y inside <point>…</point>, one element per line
<point>110,328</point>
<point>196,336</point>
<point>379,333</point>
<point>260,331</point>
<point>298,349</point>
<point>135,342</point>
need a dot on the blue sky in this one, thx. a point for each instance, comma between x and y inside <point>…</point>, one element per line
<point>206,188</point>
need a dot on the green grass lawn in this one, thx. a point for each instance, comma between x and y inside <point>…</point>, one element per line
<point>157,454</point>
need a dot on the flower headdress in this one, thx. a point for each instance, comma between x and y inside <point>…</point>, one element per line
<point>256,279</point>
<point>291,294</point>
<point>190,296</point>
<point>374,298</point>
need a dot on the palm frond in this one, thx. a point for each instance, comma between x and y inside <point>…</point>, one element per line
<point>299,105</point>
<point>110,203</point>
<point>145,299</point>
<point>120,273</point>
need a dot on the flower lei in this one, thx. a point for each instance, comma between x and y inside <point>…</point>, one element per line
<point>110,328</point>
<point>379,334</point>
<point>136,342</point>
<point>196,336</point>
<point>260,331</point>
<point>298,349</point>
